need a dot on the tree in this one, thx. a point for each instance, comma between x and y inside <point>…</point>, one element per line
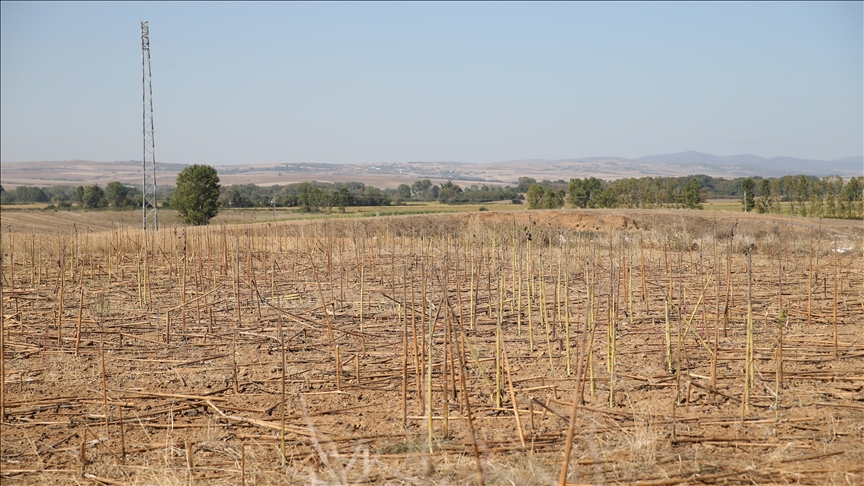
<point>6,197</point>
<point>553,199</point>
<point>236,199</point>
<point>577,196</point>
<point>196,197</point>
<point>94,197</point>
<point>30,194</point>
<point>403,192</point>
<point>115,194</point>
<point>581,193</point>
<point>535,196</point>
<point>449,192</point>
<point>763,205</point>
<point>801,190</point>
<point>851,198</point>
<point>342,198</point>
<point>79,195</point>
<point>748,201</point>
<point>310,197</point>
<point>604,199</point>
<point>692,198</point>
<point>524,183</point>
<point>419,188</point>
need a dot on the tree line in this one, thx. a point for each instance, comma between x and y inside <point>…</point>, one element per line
<point>830,197</point>
<point>115,195</point>
<point>316,196</point>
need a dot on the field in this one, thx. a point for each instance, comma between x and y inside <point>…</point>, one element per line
<point>34,218</point>
<point>630,347</point>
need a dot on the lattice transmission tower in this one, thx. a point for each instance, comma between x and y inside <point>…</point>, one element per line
<point>148,189</point>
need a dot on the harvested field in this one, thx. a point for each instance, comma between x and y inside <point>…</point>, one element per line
<point>682,347</point>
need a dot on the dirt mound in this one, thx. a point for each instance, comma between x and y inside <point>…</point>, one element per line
<point>574,220</point>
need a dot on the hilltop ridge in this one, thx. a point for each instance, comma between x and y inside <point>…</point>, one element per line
<point>391,174</point>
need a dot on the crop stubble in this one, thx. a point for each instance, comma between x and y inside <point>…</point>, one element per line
<point>313,351</point>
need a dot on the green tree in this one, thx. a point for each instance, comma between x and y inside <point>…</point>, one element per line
<point>604,199</point>
<point>534,195</point>
<point>30,194</point>
<point>801,188</point>
<point>449,193</point>
<point>420,188</point>
<point>79,195</point>
<point>403,192</point>
<point>553,199</point>
<point>94,197</point>
<point>342,198</point>
<point>6,197</point>
<point>310,197</point>
<point>524,183</point>
<point>748,200</point>
<point>764,204</point>
<point>581,192</point>
<point>196,197</point>
<point>115,194</point>
<point>692,199</point>
<point>236,199</point>
<point>851,198</point>
<point>833,189</point>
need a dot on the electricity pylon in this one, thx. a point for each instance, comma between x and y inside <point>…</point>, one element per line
<point>148,189</point>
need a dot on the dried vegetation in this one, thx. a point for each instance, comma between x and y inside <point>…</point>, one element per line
<point>595,347</point>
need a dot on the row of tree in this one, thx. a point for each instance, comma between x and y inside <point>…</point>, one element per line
<point>315,196</point>
<point>828,197</point>
<point>831,197</point>
<point>308,196</point>
<point>645,192</point>
<point>592,192</point>
<point>114,195</point>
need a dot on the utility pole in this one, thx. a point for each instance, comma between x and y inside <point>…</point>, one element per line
<point>148,188</point>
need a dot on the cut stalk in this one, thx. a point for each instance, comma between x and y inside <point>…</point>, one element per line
<point>80,316</point>
<point>571,429</point>
<point>463,366</point>
<point>748,353</point>
<point>282,401</point>
<point>835,298</point>
<point>2,360</point>
<point>513,399</point>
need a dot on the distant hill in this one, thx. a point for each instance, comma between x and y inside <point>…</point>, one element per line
<point>390,175</point>
<point>774,166</point>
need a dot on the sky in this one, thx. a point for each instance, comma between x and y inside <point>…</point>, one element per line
<point>382,82</point>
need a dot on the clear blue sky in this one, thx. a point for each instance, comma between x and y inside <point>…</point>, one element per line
<point>393,82</point>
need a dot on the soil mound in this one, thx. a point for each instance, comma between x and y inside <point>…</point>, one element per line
<point>574,220</point>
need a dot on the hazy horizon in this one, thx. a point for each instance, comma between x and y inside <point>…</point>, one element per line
<point>611,157</point>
